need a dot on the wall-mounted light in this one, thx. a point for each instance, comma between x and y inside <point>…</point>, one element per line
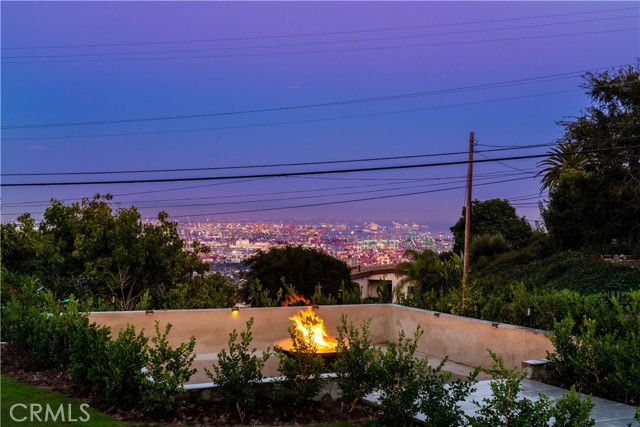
<point>149,312</point>
<point>436,314</point>
<point>495,325</point>
<point>235,311</point>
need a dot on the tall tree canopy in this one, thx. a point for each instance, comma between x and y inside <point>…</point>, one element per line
<point>494,216</point>
<point>88,248</point>
<point>593,174</point>
<point>304,268</point>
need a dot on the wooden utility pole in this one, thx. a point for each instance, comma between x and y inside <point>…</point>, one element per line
<point>467,223</point>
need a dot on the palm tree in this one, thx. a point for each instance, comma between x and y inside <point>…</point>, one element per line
<point>563,158</point>
<point>424,264</point>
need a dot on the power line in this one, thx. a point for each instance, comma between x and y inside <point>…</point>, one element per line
<point>303,173</point>
<point>255,125</point>
<point>450,180</point>
<point>326,42</point>
<point>364,199</point>
<point>341,201</point>
<point>354,49</point>
<point>507,83</point>
<point>362,160</point>
<point>318,34</point>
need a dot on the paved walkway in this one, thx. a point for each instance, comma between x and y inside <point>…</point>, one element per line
<point>605,412</point>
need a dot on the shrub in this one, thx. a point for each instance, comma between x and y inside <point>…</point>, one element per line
<point>401,379</point>
<point>89,351</point>
<point>239,371</point>
<point>125,379</point>
<point>356,365</point>
<point>572,411</point>
<point>51,330</point>
<point>439,401</point>
<point>604,364</point>
<point>167,370</point>
<point>505,408</point>
<point>321,299</point>
<point>301,368</point>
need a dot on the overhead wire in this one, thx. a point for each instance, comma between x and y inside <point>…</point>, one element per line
<point>302,173</point>
<point>271,165</point>
<point>324,42</point>
<point>488,21</point>
<point>257,125</point>
<point>507,83</point>
<point>353,49</point>
<point>449,180</point>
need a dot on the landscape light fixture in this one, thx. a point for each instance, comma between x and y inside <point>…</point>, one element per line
<point>235,311</point>
<point>339,293</point>
<point>613,292</point>
<point>114,298</point>
<point>476,308</point>
<point>530,315</point>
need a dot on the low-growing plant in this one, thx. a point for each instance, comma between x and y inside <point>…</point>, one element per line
<point>167,370</point>
<point>322,299</point>
<point>89,349</point>
<point>261,297</point>
<point>440,400</point>
<point>402,377</point>
<point>505,407</point>
<point>572,411</point>
<point>126,379</point>
<point>238,372</point>
<point>356,362</point>
<point>301,369</point>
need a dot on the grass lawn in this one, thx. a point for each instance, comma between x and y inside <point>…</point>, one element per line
<point>72,413</point>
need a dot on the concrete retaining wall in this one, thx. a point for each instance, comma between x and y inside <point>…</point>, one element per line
<point>464,340</point>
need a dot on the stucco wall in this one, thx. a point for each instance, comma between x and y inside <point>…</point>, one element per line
<point>464,340</point>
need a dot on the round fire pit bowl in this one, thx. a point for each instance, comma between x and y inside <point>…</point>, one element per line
<point>328,355</point>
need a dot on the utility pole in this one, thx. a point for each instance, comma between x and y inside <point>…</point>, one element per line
<point>467,223</point>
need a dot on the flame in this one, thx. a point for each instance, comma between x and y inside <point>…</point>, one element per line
<point>312,329</point>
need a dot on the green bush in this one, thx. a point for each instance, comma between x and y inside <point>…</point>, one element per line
<point>603,364</point>
<point>321,299</point>
<point>301,369</point>
<point>356,362</point>
<point>402,377</point>
<point>572,411</point>
<point>125,375</point>
<point>167,370</point>
<point>238,372</point>
<point>505,408</point>
<point>89,349</point>
<point>439,401</point>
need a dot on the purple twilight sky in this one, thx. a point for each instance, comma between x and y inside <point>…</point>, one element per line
<point>438,70</point>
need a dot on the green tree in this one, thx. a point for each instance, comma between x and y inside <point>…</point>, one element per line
<point>303,268</point>
<point>423,271</point>
<point>494,216</point>
<point>90,249</point>
<point>608,177</point>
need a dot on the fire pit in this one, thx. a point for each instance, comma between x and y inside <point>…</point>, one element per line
<point>311,327</point>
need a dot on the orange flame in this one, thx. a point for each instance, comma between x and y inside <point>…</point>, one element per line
<point>292,298</point>
<point>311,327</point>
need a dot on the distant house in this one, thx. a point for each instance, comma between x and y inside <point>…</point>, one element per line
<point>370,278</point>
